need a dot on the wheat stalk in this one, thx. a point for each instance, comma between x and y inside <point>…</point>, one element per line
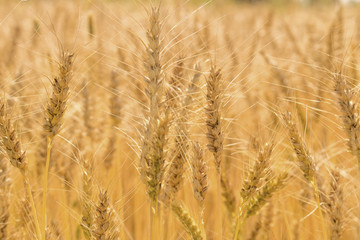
<point>4,204</point>
<point>54,117</point>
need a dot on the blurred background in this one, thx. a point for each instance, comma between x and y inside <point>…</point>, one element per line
<point>283,2</point>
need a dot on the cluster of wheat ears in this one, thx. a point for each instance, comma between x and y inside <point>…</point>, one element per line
<point>156,121</point>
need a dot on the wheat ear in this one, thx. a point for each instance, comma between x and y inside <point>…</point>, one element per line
<point>336,200</point>
<point>199,170</point>
<point>350,117</point>
<point>254,204</point>
<point>102,218</point>
<point>86,198</point>
<point>215,137</point>
<point>54,117</point>
<point>264,195</point>
<point>215,134</point>
<point>199,179</point>
<point>174,177</point>
<point>306,164</point>
<point>257,173</point>
<point>187,221</point>
<point>17,157</point>
<point>152,158</point>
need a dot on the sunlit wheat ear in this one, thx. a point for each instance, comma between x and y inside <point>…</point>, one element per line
<point>86,198</point>
<point>336,208</point>
<point>102,217</point>
<point>181,113</point>
<point>175,85</point>
<point>349,114</point>
<point>105,226</point>
<point>153,165</point>
<point>215,136</point>
<point>152,159</point>
<point>199,170</point>
<point>256,178</point>
<point>258,172</point>
<point>115,231</point>
<point>307,165</point>
<point>213,121</point>
<point>174,176</point>
<point>154,138</point>
<point>54,114</point>
<point>60,93</point>
<point>187,221</point>
<point>305,160</point>
<point>255,203</point>
<point>10,141</point>
<point>17,157</point>
<point>263,196</point>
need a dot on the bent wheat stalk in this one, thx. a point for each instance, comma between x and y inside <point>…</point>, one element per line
<point>306,163</point>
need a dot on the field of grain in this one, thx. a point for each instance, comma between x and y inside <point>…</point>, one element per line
<point>179,120</point>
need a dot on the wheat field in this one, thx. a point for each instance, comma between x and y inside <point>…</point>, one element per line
<point>179,120</point>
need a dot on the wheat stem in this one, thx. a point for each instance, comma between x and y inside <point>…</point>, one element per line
<point>45,190</point>
<point>239,223</point>
<point>33,208</point>
<point>154,220</point>
<point>317,198</point>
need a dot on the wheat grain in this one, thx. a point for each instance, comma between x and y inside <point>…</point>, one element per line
<point>102,219</point>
